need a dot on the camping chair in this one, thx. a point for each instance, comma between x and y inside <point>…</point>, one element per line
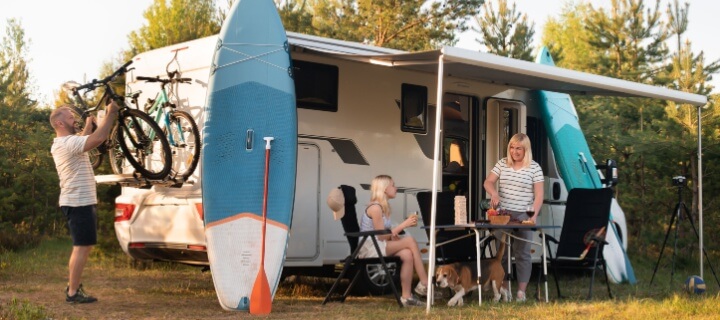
<point>587,212</point>
<point>353,262</point>
<point>456,251</point>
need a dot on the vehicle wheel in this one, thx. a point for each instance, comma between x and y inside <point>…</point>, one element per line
<point>144,144</point>
<point>185,144</point>
<point>374,281</point>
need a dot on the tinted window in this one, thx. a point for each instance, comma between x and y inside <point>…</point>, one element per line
<point>413,105</point>
<point>316,85</point>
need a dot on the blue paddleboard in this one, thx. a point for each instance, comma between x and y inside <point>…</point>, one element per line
<point>251,95</point>
<point>577,165</point>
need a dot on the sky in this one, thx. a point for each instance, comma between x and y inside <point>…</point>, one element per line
<point>71,39</point>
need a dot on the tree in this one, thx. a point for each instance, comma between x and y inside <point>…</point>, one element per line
<point>28,184</point>
<point>625,41</point>
<point>409,25</point>
<point>178,21</point>
<point>506,32</point>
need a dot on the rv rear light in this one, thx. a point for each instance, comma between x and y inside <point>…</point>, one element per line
<point>136,245</point>
<point>195,247</point>
<point>123,212</point>
<point>199,208</point>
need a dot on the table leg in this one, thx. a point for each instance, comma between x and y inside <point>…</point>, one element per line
<point>479,270</point>
<point>544,254</point>
<point>508,276</point>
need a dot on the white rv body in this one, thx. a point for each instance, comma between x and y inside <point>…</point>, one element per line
<point>362,139</point>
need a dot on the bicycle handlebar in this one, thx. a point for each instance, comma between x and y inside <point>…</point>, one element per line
<point>96,83</point>
<point>164,81</point>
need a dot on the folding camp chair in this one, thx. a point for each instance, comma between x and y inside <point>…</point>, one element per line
<point>586,214</point>
<point>353,263</point>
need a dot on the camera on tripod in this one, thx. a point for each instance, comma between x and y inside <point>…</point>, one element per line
<point>679,181</point>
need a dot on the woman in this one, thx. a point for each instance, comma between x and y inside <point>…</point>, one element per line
<point>520,185</point>
<point>377,217</point>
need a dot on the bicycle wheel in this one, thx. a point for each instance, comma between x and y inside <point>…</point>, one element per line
<point>115,153</point>
<point>96,154</point>
<point>185,144</point>
<point>144,145</point>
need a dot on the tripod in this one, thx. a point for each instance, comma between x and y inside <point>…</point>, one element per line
<point>676,217</point>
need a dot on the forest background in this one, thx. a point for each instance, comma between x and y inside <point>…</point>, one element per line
<point>642,41</point>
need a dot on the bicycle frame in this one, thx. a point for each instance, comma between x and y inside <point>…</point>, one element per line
<point>159,111</point>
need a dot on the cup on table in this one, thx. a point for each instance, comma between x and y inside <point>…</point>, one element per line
<point>530,211</point>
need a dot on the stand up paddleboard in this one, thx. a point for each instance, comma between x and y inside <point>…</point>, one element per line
<point>251,96</point>
<point>577,166</point>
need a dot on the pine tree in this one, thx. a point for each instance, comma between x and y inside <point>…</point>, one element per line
<point>506,32</point>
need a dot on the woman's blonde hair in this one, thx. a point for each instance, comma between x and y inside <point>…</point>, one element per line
<point>524,141</point>
<point>377,192</point>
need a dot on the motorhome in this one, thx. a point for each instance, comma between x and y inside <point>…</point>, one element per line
<point>364,111</point>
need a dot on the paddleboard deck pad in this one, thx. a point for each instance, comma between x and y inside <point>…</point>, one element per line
<point>577,167</point>
<point>251,95</point>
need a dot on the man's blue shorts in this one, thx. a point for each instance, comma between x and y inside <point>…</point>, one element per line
<point>82,222</point>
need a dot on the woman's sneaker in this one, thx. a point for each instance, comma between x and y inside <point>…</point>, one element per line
<point>79,297</point>
<point>421,289</point>
<point>412,302</point>
<point>520,296</point>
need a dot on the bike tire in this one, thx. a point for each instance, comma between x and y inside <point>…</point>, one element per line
<point>96,155</point>
<point>150,157</point>
<point>186,143</point>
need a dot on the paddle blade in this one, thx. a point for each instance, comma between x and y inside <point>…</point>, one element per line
<point>261,298</point>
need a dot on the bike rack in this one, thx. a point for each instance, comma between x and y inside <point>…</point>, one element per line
<point>137,181</point>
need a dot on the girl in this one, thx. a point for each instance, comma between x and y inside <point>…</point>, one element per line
<point>377,217</point>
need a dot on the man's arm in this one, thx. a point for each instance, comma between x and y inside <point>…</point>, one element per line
<point>103,129</point>
<point>89,124</point>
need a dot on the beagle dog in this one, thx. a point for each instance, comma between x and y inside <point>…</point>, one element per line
<point>462,278</point>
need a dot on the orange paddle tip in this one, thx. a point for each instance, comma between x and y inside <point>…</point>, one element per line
<point>261,297</point>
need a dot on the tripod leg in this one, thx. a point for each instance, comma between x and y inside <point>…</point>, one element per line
<point>667,234</point>
<point>678,216</point>
<point>687,214</point>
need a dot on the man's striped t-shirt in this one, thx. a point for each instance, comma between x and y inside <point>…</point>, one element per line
<point>77,180</point>
<point>515,188</point>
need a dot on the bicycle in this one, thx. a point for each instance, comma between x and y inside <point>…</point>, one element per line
<point>132,133</point>
<point>179,126</point>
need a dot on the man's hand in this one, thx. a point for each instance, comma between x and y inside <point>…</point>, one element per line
<point>111,107</point>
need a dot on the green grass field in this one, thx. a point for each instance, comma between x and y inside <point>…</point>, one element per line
<point>33,282</point>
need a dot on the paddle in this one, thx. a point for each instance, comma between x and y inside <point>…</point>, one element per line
<point>590,240</point>
<point>261,298</point>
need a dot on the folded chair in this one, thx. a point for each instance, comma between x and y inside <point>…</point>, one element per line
<point>586,214</point>
<point>353,263</point>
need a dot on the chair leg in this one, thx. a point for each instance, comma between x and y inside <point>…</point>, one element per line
<point>337,281</point>
<point>557,283</point>
<point>607,281</point>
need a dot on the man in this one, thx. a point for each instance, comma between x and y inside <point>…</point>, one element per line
<point>78,194</point>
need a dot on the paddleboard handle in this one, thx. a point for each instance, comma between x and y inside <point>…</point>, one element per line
<point>267,142</point>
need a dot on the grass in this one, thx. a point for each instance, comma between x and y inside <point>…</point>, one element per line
<point>32,281</point>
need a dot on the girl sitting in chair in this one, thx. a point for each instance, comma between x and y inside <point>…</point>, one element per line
<point>377,217</point>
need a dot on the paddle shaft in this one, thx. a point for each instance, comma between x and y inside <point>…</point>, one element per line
<point>265,199</point>
<point>591,242</point>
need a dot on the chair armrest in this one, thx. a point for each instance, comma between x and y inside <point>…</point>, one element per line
<point>368,233</point>
<point>549,238</point>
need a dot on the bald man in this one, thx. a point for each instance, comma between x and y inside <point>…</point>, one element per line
<point>78,194</point>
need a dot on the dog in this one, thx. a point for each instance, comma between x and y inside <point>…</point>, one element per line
<point>461,278</point>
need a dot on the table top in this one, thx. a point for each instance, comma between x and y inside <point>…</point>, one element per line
<point>485,225</point>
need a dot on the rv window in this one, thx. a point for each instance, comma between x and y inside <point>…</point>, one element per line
<point>413,108</point>
<point>316,85</point>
